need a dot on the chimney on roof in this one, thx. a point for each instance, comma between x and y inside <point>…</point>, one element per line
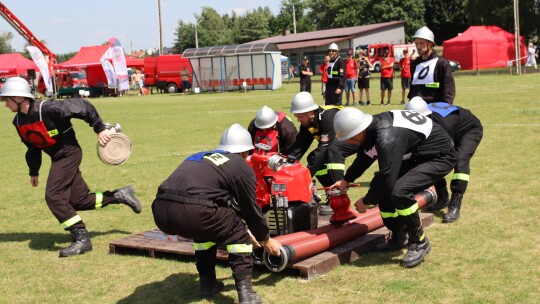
<point>286,32</point>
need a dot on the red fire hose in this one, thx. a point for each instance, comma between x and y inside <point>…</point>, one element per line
<point>302,248</point>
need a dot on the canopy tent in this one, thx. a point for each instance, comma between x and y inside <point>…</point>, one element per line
<point>89,57</point>
<point>482,47</point>
<point>256,65</point>
<point>132,62</point>
<point>15,64</point>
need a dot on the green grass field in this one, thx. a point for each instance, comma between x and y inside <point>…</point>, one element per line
<point>491,255</point>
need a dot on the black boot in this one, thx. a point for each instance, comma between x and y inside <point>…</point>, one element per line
<point>246,295</point>
<point>416,253</point>
<point>442,197</point>
<point>453,208</point>
<point>398,240</point>
<point>126,196</point>
<point>209,286</point>
<point>81,243</point>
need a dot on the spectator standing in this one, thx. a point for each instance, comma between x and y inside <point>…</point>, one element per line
<point>364,75</point>
<point>531,56</point>
<point>291,71</point>
<point>336,77</point>
<point>351,73</point>
<point>185,74</point>
<point>432,77</point>
<point>324,76</point>
<point>405,68</point>
<point>305,75</point>
<point>387,76</point>
<point>138,81</point>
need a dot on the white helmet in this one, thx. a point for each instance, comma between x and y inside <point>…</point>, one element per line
<point>424,33</point>
<point>350,122</point>
<point>236,139</point>
<point>265,118</point>
<point>333,46</point>
<point>419,105</point>
<point>303,102</point>
<point>16,87</point>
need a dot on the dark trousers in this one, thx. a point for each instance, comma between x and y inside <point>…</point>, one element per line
<point>220,225</point>
<point>305,85</point>
<point>331,98</point>
<point>330,162</point>
<point>66,191</point>
<point>465,149</point>
<point>398,209</point>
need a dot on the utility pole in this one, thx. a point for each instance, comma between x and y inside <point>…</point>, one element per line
<point>196,34</point>
<point>160,32</point>
<point>293,17</point>
<point>517,38</point>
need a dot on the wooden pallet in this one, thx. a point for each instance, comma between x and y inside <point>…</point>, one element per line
<point>155,242</point>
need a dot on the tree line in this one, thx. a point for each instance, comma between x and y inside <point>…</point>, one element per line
<point>446,18</point>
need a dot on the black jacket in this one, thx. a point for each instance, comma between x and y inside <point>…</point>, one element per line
<point>442,75</point>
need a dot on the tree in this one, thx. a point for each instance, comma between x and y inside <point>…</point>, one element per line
<point>254,26</point>
<point>5,43</point>
<point>445,18</point>
<point>211,28</point>
<point>185,37</point>
<point>501,13</point>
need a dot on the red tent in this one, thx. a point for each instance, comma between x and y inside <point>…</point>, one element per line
<point>88,57</point>
<point>132,62</point>
<point>481,47</point>
<point>15,64</point>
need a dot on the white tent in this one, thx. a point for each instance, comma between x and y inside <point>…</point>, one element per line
<point>222,68</point>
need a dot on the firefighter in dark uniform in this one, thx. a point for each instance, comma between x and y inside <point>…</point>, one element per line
<point>432,77</point>
<point>274,129</point>
<point>206,199</point>
<point>45,125</point>
<point>327,161</point>
<point>466,131</point>
<point>413,153</point>
<point>336,77</point>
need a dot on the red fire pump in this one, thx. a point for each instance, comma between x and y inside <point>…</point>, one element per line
<point>285,192</point>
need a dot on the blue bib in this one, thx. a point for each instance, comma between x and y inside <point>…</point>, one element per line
<point>442,108</point>
<point>199,156</point>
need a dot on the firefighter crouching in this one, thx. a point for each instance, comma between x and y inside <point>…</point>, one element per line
<point>274,129</point>
<point>466,131</point>
<point>206,199</point>
<point>327,161</point>
<point>45,125</point>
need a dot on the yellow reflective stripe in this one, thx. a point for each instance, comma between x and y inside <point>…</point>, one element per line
<point>203,246</point>
<point>53,132</point>
<point>72,221</point>
<point>389,214</point>
<point>239,248</point>
<point>422,237</point>
<point>99,200</point>
<point>434,85</point>
<point>335,166</point>
<point>404,212</point>
<point>332,107</point>
<point>335,72</point>
<point>460,176</point>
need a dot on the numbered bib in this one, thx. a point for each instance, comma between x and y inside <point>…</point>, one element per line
<point>423,74</point>
<point>412,120</point>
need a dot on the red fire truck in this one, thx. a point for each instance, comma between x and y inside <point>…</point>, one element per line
<point>375,53</point>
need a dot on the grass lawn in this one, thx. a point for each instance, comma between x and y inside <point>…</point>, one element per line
<point>491,255</point>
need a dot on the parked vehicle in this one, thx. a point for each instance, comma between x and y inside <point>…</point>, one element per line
<point>163,72</point>
<point>375,53</point>
<point>78,77</point>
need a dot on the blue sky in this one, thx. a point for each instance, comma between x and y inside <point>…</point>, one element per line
<point>67,25</point>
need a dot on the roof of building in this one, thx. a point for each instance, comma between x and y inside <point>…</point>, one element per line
<point>320,38</point>
<point>231,50</point>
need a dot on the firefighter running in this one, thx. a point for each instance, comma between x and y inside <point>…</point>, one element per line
<point>413,153</point>
<point>466,131</point>
<point>45,125</point>
<point>206,199</point>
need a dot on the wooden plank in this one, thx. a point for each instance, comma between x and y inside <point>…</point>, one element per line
<point>347,252</point>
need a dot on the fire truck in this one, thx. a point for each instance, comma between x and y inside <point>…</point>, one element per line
<point>17,24</point>
<point>375,53</point>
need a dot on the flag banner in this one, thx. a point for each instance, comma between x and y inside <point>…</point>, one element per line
<point>109,72</point>
<point>116,53</point>
<point>39,60</point>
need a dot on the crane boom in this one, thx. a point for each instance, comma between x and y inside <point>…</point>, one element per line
<point>28,35</point>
